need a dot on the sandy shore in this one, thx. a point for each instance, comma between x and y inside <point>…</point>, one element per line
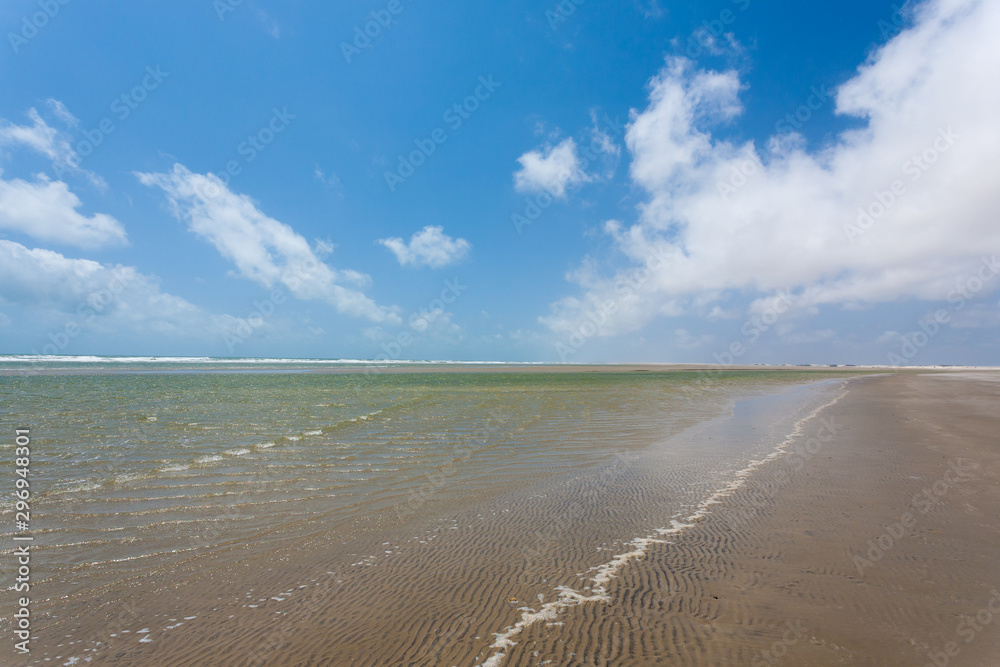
<point>876,543</point>
<point>870,540</point>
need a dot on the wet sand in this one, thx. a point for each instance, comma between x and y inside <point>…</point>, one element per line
<point>810,562</point>
<point>792,557</point>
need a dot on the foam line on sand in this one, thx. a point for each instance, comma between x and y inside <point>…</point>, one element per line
<point>597,590</point>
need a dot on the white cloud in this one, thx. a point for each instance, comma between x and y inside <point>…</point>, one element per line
<point>434,325</point>
<point>40,137</point>
<point>62,113</point>
<point>47,210</point>
<point>97,296</point>
<point>977,315</point>
<point>651,9</point>
<point>270,25</point>
<point>551,169</point>
<point>803,337</point>
<point>428,247</point>
<point>436,322</point>
<point>323,247</point>
<point>602,147</point>
<point>790,221</point>
<point>331,180</point>
<point>685,340</point>
<point>48,141</point>
<point>888,337</point>
<point>263,249</point>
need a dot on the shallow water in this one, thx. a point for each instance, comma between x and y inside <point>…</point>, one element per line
<point>152,474</point>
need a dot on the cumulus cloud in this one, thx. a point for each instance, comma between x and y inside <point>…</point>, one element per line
<point>552,169</point>
<point>428,247</point>
<point>99,296</point>
<point>263,249</point>
<point>897,209</point>
<point>47,210</point>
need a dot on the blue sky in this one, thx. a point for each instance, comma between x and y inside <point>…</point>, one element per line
<point>517,181</point>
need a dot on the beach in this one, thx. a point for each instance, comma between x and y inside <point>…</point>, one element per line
<point>538,334</point>
<point>873,544</point>
<point>594,516</point>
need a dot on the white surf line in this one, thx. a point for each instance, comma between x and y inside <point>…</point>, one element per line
<point>568,597</point>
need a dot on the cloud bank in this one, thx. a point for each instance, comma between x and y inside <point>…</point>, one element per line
<point>900,209</point>
<point>85,294</point>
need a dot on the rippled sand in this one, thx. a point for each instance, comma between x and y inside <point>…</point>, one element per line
<point>140,470</point>
<point>647,521</point>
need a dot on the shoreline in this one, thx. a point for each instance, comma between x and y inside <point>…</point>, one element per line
<point>20,366</point>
